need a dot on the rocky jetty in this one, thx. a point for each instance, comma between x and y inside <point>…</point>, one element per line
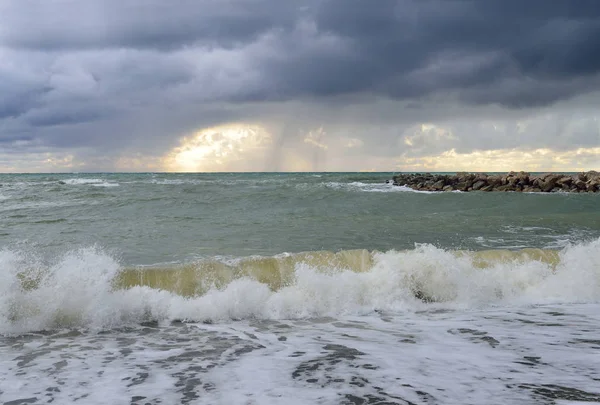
<point>586,182</point>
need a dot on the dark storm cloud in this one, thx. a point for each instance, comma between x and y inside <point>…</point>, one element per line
<point>18,96</point>
<point>64,118</point>
<point>405,49</point>
<point>401,49</point>
<point>16,139</point>
<point>137,74</point>
<point>71,24</point>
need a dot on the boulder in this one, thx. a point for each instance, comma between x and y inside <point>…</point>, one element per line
<point>438,185</point>
<point>512,181</point>
<point>549,182</point>
<point>478,184</point>
<point>565,182</point>
<point>523,178</point>
<point>593,175</point>
<point>464,177</point>
<point>462,186</point>
<point>494,180</point>
<point>505,187</point>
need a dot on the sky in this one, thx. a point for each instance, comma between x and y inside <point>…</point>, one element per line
<point>314,85</point>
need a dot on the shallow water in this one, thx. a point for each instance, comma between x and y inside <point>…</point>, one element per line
<point>538,355</point>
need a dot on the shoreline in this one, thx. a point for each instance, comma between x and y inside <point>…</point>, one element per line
<point>584,182</point>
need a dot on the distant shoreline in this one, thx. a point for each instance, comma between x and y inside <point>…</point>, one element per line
<point>585,182</point>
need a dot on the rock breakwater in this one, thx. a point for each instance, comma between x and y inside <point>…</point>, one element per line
<point>585,182</point>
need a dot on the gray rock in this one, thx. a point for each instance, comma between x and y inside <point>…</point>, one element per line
<point>513,181</point>
<point>580,184</point>
<point>438,185</point>
<point>549,182</point>
<point>462,186</point>
<point>565,180</point>
<point>494,180</point>
<point>478,184</point>
<point>505,187</point>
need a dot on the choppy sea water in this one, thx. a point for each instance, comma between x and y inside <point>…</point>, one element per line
<point>316,288</point>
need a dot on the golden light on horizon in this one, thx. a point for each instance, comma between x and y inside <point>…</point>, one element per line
<point>496,160</point>
<point>220,148</point>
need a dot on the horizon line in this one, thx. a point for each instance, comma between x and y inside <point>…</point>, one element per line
<point>303,172</point>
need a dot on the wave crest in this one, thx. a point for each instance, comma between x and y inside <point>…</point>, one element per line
<point>88,288</point>
<point>91,182</point>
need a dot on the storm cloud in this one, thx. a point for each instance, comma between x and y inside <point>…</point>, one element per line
<point>103,80</point>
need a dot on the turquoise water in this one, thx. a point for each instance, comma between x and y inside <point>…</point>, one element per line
<point>159,218</point>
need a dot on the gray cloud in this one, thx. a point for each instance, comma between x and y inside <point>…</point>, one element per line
<point>134,75</point>
<point>412,48</point>
<point>71,24</point>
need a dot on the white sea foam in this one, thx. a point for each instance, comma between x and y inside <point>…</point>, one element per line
<point>513,356</point>
<point>366,187</point>
<point>453,358</point>
<point>77,289</point>
<point>91,182</point>
<point>521,236</point>
<point>169,182</point>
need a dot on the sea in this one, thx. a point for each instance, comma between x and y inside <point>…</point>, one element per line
<point>294,288</point>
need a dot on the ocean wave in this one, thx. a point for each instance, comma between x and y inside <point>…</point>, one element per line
<point>87,288</point>
<point>219,182</point>
<point>357,186</point>
<point>21,185</point>
<point>91,182</point>
<point>17,205</point>
<point>169,182</point>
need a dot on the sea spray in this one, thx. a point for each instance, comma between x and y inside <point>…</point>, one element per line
<point>87,287</point>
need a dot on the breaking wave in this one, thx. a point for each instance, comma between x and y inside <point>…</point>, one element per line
<point>90,182</point>
<point>88,288</point>
<point>357,186</point>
